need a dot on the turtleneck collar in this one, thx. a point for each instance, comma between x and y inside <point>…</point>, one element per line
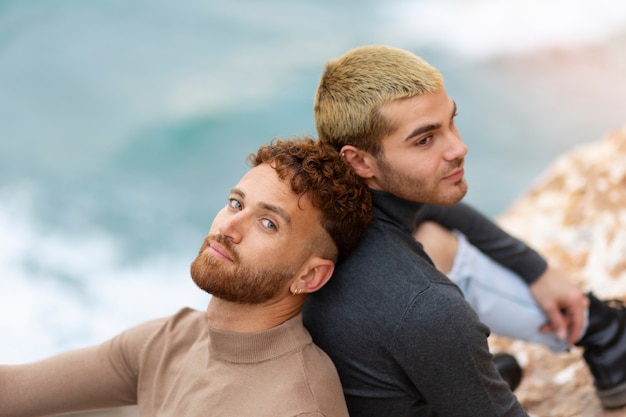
<point>397,210</point>
<point>258,346</point>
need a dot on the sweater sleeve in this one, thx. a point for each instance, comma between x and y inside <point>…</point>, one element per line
<point>451,368</point>
<point>101,376</point>
<point>481,232</point>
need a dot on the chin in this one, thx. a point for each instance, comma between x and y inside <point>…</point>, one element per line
<point>453,198</point>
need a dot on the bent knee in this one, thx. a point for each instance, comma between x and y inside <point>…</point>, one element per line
<point>439,243</point>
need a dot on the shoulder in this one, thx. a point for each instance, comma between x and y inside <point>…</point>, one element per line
<point>183,318</point>
<point>135,339</point>
<point>323,382</point>
<point>444,317</point>
<point>186,317</point>
<point>388,244</point>
<point>185,325</point>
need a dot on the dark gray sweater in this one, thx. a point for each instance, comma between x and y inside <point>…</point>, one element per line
<point>404,340</point>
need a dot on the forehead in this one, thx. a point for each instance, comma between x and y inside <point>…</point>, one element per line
<point>420,110</point>
<point>262,181</point>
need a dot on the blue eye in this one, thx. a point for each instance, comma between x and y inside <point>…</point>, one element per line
<point>268,224</point>
<point>234,203</point>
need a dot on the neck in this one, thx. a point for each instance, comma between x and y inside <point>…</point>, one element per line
<point>245,318</point>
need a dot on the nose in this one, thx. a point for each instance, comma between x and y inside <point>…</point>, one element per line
<point>456,148</point>
<point>231,227</point>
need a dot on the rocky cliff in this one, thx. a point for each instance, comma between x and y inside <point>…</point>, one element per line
<point>575,215</point>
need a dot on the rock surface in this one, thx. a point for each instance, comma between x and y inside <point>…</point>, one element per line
<point>575,215</point>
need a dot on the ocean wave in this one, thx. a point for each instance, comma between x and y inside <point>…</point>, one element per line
<point>60,291</point>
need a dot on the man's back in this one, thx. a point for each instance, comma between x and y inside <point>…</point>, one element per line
<point>399,331</point>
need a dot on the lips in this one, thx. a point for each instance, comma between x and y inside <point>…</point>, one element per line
<point>456,175</point>
<point>219,251</point>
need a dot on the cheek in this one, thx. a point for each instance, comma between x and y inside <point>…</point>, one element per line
<point>411,162</point>
<point>427,171</point>
<point>417,171</point>
<point>270,252</point>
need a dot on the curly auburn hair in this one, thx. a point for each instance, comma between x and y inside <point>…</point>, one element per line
<point>318,171</point>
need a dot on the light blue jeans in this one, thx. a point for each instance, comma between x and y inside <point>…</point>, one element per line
<point>501,298</point>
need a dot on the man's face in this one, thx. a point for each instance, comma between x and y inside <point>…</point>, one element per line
<point>422,160</point>
<point>258,242</point>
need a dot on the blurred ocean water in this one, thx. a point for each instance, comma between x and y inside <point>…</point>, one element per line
<point>124,124</point>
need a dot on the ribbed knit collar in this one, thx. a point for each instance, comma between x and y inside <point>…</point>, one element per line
<point>397,210</point>
<point>258,346</point>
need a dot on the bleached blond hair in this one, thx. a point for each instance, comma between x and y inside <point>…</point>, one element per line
<point>355,86</point>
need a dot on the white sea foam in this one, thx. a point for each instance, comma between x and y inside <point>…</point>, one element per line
<point>486,28</point>
<point>59,292</point>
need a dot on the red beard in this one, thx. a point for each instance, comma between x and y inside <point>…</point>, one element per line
<point>232,281</point>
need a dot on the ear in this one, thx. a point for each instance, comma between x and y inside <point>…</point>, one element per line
<point>364,163</point>
<point>314,276</point>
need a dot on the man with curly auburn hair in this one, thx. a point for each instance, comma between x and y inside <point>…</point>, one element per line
<point>403,338</point>
<point>291,217</point>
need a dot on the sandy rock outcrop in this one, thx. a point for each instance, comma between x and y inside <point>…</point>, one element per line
<point>575,215</point>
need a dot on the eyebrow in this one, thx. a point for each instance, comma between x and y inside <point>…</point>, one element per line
<point>267,206</point>
<point>431,126</point>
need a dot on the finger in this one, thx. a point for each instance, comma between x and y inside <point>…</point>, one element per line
<point>546,328</point>
<point>557,322</point>
<point>576,319</point>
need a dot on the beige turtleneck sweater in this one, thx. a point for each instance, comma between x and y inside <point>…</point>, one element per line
<point>179,366</point>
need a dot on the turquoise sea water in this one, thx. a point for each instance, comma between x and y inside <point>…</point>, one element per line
<point>123,124</point>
